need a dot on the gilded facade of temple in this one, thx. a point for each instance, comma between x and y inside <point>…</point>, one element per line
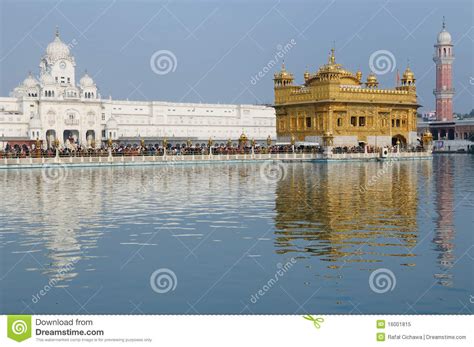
<point>334,101</point>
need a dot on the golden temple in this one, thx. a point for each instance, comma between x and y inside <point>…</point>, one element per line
<point>336,102</point>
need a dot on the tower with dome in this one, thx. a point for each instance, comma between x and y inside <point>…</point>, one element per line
<point>451,133</point>
<point>53,106</point>
<point>444,92</point>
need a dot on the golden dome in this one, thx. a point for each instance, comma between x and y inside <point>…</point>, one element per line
<point>408,74</point>
<point>306,75</point>
<point>372,81</point>
<point>283,73</point>
<point>372,78</point>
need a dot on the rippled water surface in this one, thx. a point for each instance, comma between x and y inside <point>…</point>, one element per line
<point>305,238</point>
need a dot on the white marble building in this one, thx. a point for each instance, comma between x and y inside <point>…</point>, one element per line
<point>53,105</point>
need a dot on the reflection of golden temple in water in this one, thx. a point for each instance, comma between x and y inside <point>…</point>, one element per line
<point>444,232</point>
<point>322,211</point>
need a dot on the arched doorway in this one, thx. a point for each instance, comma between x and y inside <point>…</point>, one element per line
<point>50,137</point>
<point>71,136</point>
<point>90,137</point>
<point>401,138</point>
<point>451,134</point>
<point>442,134</point>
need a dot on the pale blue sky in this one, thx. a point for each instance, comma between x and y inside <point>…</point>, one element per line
<point>220,45</point>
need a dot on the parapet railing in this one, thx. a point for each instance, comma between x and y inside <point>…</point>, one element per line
<point>156,158</point>
<point>150,159</point>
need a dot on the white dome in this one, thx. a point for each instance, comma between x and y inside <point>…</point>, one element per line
<point>86,81</point>
<point>444,38</point>
<point>111,123</point>
<point>30,82</point>
<point>47,79</point>
<point>57,49</point>
<point>19,91</point>
<point>35,123</point>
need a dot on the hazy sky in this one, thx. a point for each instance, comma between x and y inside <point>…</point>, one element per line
<point>220,45</point>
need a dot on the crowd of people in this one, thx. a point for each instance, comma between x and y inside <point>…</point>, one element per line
<point>25,151</point>
<point>118,149</point>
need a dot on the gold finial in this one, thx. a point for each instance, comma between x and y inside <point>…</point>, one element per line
<point>332,57</point>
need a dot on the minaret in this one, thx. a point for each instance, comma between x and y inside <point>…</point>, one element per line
<point>444,91</point>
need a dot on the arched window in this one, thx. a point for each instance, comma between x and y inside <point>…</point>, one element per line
<point>444,51</point>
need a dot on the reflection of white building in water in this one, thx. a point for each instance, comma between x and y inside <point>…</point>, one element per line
<point>53,106</point>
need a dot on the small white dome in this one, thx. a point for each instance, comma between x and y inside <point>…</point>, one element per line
<point>19,91</point>
<point>35,123</point>
<point>47,79</point>
<point>86,81</point>
<point>111,123</point>
<point>30,81</point>
<point>444,38</point>
<point>57,49</point>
